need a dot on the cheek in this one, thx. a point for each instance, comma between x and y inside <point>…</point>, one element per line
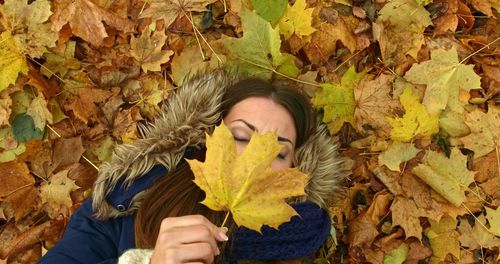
<point>279,164</point>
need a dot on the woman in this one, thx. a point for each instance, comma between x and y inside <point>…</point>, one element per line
<point>137,204</point>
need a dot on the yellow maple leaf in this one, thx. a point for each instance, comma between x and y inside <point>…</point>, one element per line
<point>55,193</point>
<point>485,127</point>
<point>493,217</point>
<point>147,49</point>
<point>297,19</point>
<point>245,184</point>
<point>11,61</point>
<point>416,120</point>
<point>447,176</point>
<point>443,238</point>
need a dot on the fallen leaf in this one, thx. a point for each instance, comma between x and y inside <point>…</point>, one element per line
<point>405,213</point>
<point>361,230</point>
<point>23,128</point>
<point>443,238</point>
<point>270,10</point>
<point>258,51</point>
<point>60,64</point>
<point>453,123</point>
<point>373,103</point>
<point>23,241</point>
<point>484,126</point>
<point>297,20</point>
<point>39,112</point>
<point>12,62</point>
<point>55,194</point>
<point>190,60</point>
<point>245,184</point>
<point>27,24</point>
<point>444,76</point>
<point>337,100</point>
<point>65,152</point>
<point>147,50</point>
<point>396,154</point>
<point>18,188</point>
<point>415,122</point>
<point>398,255</point>
<point>477,236</point>
<point>169,10</point>
<point>447,176</point>
<point>493,217</point>
<point>87,19</point>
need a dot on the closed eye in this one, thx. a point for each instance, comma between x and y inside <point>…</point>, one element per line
<point>238,139</point>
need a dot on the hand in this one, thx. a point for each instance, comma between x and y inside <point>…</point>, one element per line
<point>187,239</point>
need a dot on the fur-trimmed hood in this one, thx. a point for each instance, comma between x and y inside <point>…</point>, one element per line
<point>185,118</point>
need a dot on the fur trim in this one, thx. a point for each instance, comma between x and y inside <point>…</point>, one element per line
<point>185,118</point>
<point>136,256</point>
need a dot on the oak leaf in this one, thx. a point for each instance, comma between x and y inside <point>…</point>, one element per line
<point>337,100</point>
<point>12,62</point>
<point>444,76</point>
<point>169,10</point>
<point>483,126</point>
<point>87,19</point>
<point>147,50</point>
<point>245,184</point>
<point>55,194</point>
<point>443,238</point>
<point>416,121</point>
<point>447,176</point>
<point>297,20</point>
<point>373,103</point>
<point>27,24</point>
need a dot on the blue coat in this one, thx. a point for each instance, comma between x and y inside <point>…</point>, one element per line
<point>87,240</point>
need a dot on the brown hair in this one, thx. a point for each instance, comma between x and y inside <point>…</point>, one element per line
<point>175,194</point>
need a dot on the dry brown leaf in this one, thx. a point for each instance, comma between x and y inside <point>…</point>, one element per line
<point>86,20</point>
<point>362,230</point>
<point>55,194</point>
<point>405,213</point>
<point>169,10</point>
<point>23,241</point>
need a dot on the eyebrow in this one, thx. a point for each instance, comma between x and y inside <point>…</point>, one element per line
<point>252,127</point>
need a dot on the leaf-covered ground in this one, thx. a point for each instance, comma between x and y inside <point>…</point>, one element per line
<point>411,88</point>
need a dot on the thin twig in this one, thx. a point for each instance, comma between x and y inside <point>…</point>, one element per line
<point>477,51</point>
<point>348,59</point>
<point>196,35</point>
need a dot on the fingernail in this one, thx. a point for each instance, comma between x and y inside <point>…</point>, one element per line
<point>223,236</point>
<point>224,229</point>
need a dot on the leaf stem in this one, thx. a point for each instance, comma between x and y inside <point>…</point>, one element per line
<point>477,51</point>
<point>225,219</point>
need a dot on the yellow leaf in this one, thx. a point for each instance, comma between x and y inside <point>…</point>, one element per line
<point>398,152</point>
<point>444,76</point>
<point>55,193</point>
<point>493,217</point>
<point>485,131</point>
<point>297,19</point>
<point>39,112</point>
<point>477,236</point>
<point>447,176</point>
<point>416,120</point>
<point>245,184</point>
<point>11,61</point>
<point>147,49</point>
<point>443,238</point>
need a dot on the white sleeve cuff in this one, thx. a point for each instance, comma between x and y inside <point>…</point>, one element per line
<point>136,255</point>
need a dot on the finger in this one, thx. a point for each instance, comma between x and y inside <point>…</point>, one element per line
<point>175,237</point>
<point>189,220</point>
<point>196,252</point>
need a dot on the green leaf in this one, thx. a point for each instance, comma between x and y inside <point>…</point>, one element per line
<point>270,10</point>
<point>337,100</point>
<point>405,14</point>
<point>398,152</point>
<point>397,255</point>
<point>258,51</point>
<point>23,128</point>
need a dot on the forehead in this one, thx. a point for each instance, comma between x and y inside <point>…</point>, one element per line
<point>265,114</point>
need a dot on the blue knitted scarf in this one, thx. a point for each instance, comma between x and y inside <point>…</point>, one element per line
<point>301,237</point>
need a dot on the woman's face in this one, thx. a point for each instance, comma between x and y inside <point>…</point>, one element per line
<point>263,115</point>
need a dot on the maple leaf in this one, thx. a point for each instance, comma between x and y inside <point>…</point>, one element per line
<point>406,213</point>
<point>269,10</point>
<point>416,120</point>
<point>405,13</point>
<point>493,217</point>
<point>447,176</point>
<point>297,20</point>
<point>397,255</point>
<point>61,63</point>
<point>55,194</point>
<point>444,76</point>
<point>86,20</point>
<point>26,22</point>
<point>12,62</point>
<point>483,126</point>
<point>477,236</point>
<point>39,112</point>
<point>373,103</point>
<point>443,238</point>
<point>190,60</point>
<point>337,100</point>
<point>245,184</point>
<point>258,51</point>
<point>147,49</point>
<point>396,153</point>
<point>169,10</point>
